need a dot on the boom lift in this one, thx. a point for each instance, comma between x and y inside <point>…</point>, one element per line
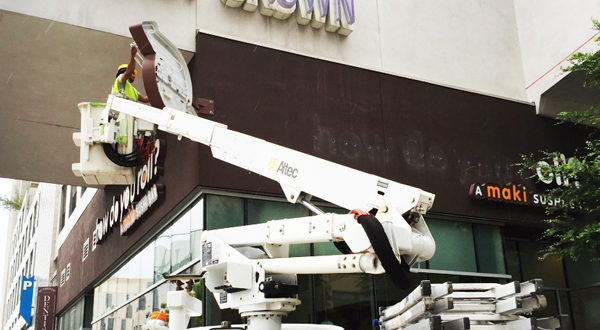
<point>249,268</point>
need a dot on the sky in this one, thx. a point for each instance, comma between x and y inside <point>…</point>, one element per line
<point>5,188</point>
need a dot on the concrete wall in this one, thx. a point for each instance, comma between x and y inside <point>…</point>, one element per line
<point>49,211</point>
<point>176,18</point>
<point>467,44</point>
<point>549,31</point>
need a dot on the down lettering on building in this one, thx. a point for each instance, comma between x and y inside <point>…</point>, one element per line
<point>336,15</point>
<point>128,207</point>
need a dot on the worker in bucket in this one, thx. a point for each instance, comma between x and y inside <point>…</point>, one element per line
<point>126,75</point>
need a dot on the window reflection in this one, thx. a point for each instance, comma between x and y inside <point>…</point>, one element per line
<point>348,300</point>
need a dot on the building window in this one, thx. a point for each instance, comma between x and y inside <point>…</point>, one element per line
<point>456,252</point>
<point>72,318</point>
<point>63,207</point>
<point>72,199</point>
<point>349,300</point>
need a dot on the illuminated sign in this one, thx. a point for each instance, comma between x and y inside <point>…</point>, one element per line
<point>544,171</point>
<point>336,15</point>
<point>512,193</point>
<point>128,207</point>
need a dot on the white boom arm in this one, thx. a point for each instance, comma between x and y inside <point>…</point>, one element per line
<point>261,284</point>
<point>302,176</point>
<point>296,172</point>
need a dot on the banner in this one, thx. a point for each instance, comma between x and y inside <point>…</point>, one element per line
<point>46,308</point>
<point>26,298</point>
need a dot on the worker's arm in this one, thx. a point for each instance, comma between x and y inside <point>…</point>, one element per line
<point>131,66</point>
<point>143,98</point>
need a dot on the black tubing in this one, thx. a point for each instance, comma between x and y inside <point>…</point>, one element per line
<point>397,271</point>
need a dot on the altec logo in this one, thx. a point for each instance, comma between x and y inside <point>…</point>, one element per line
<point>336,15</point>
<point>282,167</point>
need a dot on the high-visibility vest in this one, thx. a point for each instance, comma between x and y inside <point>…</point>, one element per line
<point>129,91</point>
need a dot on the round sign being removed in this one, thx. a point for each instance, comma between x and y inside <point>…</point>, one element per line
<point>166,77</point>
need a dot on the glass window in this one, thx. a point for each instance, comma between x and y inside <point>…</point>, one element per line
<point>388,294</point>
<point>162,255</point>
<point>345,300</point>
<point>121,279</point>
<point>260,211</point>
<point>549,269</point>
<point>134,277</point>
<point>455,247</point>
<point>72,318</point>
<point>196,227</point>
<point>214,315</point>
<point>583,271</point>
<point>513,260</point>
<point>224,212</point>
<point>490,255</point>
<point>32,221</point>
<point>72,199</point>
<point>180,242</point>
<point>197,216</point>
<point>63,207</point>
<point>171,250</point>
<point>303,312</point>
<point>586,304</point>
<point>146,274</point>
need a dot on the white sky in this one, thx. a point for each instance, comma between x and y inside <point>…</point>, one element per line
<point>5,188</point>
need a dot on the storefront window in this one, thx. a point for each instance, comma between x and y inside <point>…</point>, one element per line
<point>224,212</point>
<point>348,300</point>
<point>586,304</point>
<point>72,318</point>
<point>170,251</point>
<point>387,294</point>
<point>196,227</point>
<point>262,211</point>
<point>549,269</point>
<point>455,248</point>
<point>513,260</point>
<point>582,272</point>
<point>162,255</point>
<point>488,244</point>
<point>345,300</point>
<point>180,242</point>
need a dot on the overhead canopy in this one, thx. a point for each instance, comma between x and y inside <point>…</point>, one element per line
<point>46,69</point>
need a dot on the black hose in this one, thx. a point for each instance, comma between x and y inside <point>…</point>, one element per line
<point>397,271</point>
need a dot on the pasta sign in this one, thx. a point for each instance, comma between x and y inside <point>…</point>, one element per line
<point>128,207</point>
<point>336,15</point>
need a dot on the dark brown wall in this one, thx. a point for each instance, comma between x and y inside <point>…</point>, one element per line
<point>436,138</point>
<point>180,178</point>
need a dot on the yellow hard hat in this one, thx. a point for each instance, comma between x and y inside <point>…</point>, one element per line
<point>124,66</point>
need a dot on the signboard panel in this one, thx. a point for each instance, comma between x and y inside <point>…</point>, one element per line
<point>26,298</point>
<point>46,308</point>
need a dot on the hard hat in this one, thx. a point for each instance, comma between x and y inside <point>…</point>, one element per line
<point>124,66</point>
